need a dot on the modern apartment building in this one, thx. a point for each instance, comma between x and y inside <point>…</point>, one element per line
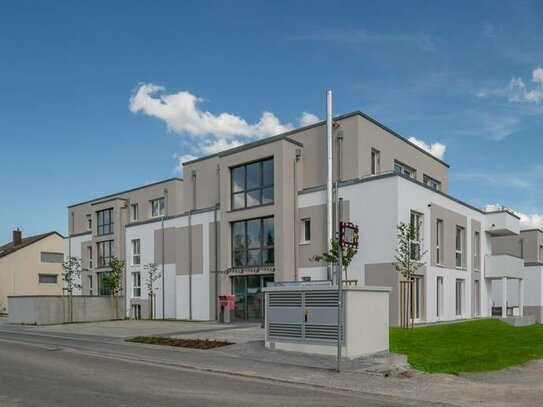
<point>257,213</point>
<point>30,266</point>
<point>97,228</point>
<point>528,246</point>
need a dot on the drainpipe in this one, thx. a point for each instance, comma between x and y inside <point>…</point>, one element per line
<point>164,254</point>
<point>217,206</point>
<point>70,307</point>
<point>190,240</point>
<point>296,220</point>
<point>329,229</point>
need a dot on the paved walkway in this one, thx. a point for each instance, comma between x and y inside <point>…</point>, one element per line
<point>517,386</point>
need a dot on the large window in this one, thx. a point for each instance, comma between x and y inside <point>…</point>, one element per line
<point>105,222</point>
<point>459,247</point>
<point>252,184</point>
<point>439,241</point>
<point>416,236</point>
<point>103,289</point>
<point>136,252</point>
<point>105,253</point>
<point>253,242</point>
<point>459,297</point>
<point>157,207</point>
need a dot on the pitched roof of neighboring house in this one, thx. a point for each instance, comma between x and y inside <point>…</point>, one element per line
<point>9,248</point>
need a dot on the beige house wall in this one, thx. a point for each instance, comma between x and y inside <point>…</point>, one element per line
<point>529,241</point>
<point>19,271</point>
<point>450,221</point>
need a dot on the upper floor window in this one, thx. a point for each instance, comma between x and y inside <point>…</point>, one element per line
<point>105,222</point>
<point>48,278</point>
<point>89,255</point>
<point>136,284</point>
<point>415,225</point>
<point>401,168</point>
<point>432,183</point>
<point>541,253</point>
<point>252,184</point>
<point>439,241</point>
<point>157,207</point>
<point>477,251</point>
<point>459,247</point>
<point>306,231</point>
<point>89,222</point>
<point>136,252</point>
<point>375,161</point>
<point>105,253</point>
<point>253,242</point>
<point>134,212</point>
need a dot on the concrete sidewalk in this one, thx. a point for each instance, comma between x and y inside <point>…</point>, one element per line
<point>518,386</point>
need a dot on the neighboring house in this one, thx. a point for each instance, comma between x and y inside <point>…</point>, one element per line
<point>30,266</point>
<point>257,213</point>
<point>529,247</point>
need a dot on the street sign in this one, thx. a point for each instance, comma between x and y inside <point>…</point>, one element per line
<point>349,235</point>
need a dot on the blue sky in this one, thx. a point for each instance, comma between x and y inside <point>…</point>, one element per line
<point>101,96</point>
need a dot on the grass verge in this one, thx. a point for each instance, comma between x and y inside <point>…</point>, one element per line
<point>473,346</point>
<point>180,343</point>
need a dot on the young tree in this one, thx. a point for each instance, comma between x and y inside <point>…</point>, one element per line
<point>113,279</point>
<point>71,273</point>
<point>408,261</point>
<point>332,256</point>
<point>153,274</point>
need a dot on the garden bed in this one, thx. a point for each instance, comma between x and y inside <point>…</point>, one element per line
<point>203,344</point>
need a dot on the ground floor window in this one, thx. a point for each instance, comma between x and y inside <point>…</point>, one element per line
<point>103,289</point>
<point>476,298</point>
<point>459,297</point>
<point>136,311</point>
<point>418,296</point>
<point>439,297</point>
<point>249,300</point>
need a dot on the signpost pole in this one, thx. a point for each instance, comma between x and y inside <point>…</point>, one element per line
<point>339,275</point>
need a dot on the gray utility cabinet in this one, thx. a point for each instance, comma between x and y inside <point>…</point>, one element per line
<point>304,319</point>
<point>308,314</point>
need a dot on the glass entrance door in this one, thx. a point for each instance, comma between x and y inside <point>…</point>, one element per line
<point>249,303</point>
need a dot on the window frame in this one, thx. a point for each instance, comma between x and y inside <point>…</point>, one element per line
<point>89,255</point>
<point>375,162</point>
<point>136,284</point>
<point>262,248</point>
<point>476,250</point>
<point>459,297</point>
<point>245,191</point>
<point>405,169</point>
<point>40,275</point>
<point>419,230</point>
<point>428,181</point>
<point>136,254</point>
<point>459,252</point>
<point>101,259</point>
<point>134,212</point>
<point>439,241</point>
<point>161,210</point>
<point>104,229</point>
<point>306,225</point>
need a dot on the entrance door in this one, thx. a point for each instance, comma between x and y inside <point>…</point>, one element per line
<point>249,303</point>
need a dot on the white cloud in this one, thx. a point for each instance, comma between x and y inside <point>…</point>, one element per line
<point>436,149</point>
<point>518,91</point>
<point>181,113</point>
<point>208,133</point>
<point>530,221</point>
<point>308,119</point>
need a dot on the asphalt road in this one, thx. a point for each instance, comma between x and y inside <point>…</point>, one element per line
<point>40,370</point>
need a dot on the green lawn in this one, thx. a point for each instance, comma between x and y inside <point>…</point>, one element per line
<point>473,346</point>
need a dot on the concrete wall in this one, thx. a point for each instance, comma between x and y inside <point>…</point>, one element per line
<point>47,310</point>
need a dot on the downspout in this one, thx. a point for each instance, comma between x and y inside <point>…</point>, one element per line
<point>71,319</point>
<point>329,225</point>
<point>122,238</point>
<point>215,218</point>
<point>190,240</point>
<point>164,254</point>
<point>296,220</point>
<point>336,187</point>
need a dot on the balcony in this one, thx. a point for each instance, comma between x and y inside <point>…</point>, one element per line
<point>504,265</point>
<point>501,221</point>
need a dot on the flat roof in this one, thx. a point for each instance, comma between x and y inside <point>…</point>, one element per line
<point>125,191</point>
<point>320,123</point>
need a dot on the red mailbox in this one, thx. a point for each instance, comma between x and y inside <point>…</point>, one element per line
<point>227,304</point>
